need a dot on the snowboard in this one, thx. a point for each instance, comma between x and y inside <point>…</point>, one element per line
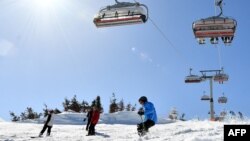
<point>100,134</point>
<point>35,137</point>
<point>39,137</point>
<point>141,131</point>
<point>141,134</point>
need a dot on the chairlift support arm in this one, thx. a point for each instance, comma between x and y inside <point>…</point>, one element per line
<point>219,3</point>
<point>127,4</point>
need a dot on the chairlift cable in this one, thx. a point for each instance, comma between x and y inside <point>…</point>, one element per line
<point>218,47</point>
<point>171,44</point>
<point>219,55</point>
<point>167,39</point>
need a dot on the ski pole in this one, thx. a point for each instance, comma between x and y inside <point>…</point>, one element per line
<point>143,126</point>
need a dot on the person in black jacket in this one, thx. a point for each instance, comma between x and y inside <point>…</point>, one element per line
<point>48,124</point>
<point>89,116</point>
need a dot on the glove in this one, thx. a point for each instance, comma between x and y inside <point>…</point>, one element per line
<point>141,112</point>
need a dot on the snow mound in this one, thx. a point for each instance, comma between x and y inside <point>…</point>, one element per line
<point>129,118</point>
<point>125,117</point>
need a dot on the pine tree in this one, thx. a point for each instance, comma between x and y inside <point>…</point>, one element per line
<point>121,105</point>
<point>99,104</point>
<point>14,117</point>
<point>113,107</point>
<point>133,108</point>
<point>45,110</point>
<point>66,104</point>
<point>128,107</point>
<point>29,114</point>
<point>93,103</point>
<point>23,116</point>
<point>75,105</point>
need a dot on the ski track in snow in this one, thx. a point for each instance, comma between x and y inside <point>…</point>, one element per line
<point>178,131</point>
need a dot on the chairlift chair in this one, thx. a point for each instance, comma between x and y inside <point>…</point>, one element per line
<point>121,13</point>
<point>215,27</point>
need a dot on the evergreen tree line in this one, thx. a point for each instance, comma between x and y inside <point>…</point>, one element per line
<point>74,105</point>
<point>119,106</point>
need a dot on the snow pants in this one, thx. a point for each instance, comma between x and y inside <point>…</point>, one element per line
<point>88,124</point>
<point>44,129</point>
<point>145,125</point>
<point>92,129</point>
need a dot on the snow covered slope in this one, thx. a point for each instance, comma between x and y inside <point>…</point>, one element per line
<point>128,118</point>
<point>119,126</point>
<point>192,130</point>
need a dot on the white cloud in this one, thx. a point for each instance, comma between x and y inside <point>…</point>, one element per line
<point>6,47</point>
<point>142,55</point>
<point>145,57</point>
<point>133,49</point>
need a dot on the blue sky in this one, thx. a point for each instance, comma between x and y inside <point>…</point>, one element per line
<point>50,49</point>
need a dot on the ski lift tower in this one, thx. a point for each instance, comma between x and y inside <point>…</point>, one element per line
<point>214,75</point>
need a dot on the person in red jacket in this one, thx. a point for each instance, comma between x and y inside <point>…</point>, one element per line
<point>94,120</point>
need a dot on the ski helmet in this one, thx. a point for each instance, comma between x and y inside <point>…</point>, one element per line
<point>143,99</point>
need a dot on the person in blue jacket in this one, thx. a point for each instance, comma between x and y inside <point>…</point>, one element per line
<point>150,116</point>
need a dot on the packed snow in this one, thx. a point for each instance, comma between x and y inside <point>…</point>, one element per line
<point>110,130</point>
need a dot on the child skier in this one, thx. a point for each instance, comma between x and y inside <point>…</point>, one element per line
<point>94,120</point>
<point>150,117</point>
<point>48,124</point>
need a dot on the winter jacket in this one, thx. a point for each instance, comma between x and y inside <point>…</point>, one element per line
<point>50,120</point>
<point>95,117</point>
<point>89,115</point>
<point>149,112</point>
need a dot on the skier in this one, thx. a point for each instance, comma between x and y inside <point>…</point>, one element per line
<point>48,124</point>
<point>89,116</point>
<point>150,117</point>
<point>94,120</point>
<point>241,115</point>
